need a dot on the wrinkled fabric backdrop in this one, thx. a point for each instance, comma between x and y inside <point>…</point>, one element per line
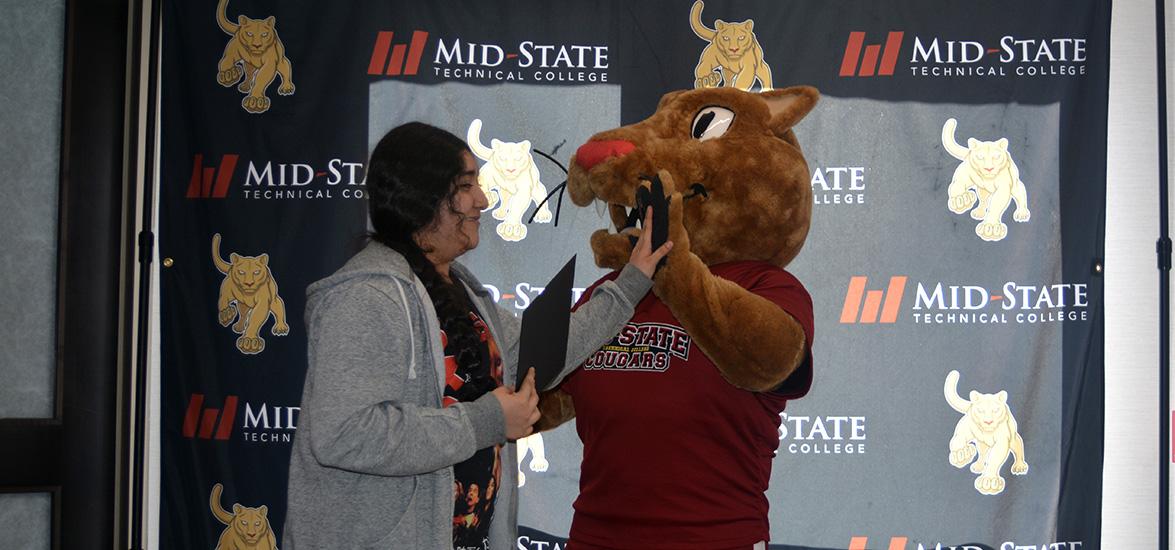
<point>905,290</point>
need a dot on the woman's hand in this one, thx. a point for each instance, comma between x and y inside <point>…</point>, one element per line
<point>642,257</point>
<point>519,407</point>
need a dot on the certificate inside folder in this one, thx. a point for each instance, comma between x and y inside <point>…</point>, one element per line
<point>543,342</point>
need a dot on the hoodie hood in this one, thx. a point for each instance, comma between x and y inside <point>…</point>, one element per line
<point>377,260</point>
<point>374,260</point>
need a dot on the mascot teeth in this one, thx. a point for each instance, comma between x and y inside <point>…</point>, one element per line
<point>633,218</point>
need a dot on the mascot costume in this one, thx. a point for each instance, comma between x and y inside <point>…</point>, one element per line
<point>679,412</point>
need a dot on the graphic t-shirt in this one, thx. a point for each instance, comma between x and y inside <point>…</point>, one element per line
<point>675,456</point>
<point>476,480</point>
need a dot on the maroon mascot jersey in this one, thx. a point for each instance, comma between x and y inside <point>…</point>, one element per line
<point>674,455</point>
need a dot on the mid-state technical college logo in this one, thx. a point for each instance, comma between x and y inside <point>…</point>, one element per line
<point>510,180</point>
<point>523,294</point>
<point>244,527</point>
<point>733,58</point>
<point>260,422</point>
<point>534,542</point>
<point>985,436</point>
<point>821,435</point>
<point>838,185</point>
<point>986,183</point>
<point>939,57</point>
<point>271,180</point>
<point>253,57</point>
<point>457,59</point>
<point>248,295</point>
<point>646,347</point>
<point>902,543</point>
<point>953,304</point>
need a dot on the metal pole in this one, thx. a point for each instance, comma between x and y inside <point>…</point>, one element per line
<point>1164,252</point>
<point>146,244</point>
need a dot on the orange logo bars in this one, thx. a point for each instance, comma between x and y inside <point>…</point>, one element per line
<point>895,543</point>
<point>201,185</point>
<point>873,301</point>
<point>207,420</point>
<point>398,64</point>
<point>869,65</point>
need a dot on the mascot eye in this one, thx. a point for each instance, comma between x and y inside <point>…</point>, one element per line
<point>712,122</point>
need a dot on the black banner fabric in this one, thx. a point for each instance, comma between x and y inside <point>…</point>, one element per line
<point>263,171</point>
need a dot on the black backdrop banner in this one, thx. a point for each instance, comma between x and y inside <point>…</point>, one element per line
<point>263,193</point>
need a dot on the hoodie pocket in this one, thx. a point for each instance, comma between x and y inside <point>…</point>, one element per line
<point>403,531</point>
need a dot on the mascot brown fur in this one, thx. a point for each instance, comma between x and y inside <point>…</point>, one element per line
<point>756,205</point>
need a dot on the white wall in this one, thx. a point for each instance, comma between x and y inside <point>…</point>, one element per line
<point>1131,494</point>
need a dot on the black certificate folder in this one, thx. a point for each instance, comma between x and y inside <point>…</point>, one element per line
<point>543,342</point>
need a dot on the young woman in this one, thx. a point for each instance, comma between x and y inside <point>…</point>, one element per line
<point>407,413</point>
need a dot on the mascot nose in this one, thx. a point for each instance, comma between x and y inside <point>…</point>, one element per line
<point>595,152</point>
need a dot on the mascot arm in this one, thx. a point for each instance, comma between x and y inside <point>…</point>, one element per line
<point>555,408</point>
<point>754,343</point>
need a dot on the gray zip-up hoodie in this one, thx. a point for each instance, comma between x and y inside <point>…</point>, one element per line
<point>372,460</point>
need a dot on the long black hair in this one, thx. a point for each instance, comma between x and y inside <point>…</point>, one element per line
<point>411,177</point>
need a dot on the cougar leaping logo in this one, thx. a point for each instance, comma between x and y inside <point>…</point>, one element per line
<point>733,57</point>
<point>245,528</point>
<point>510,180</point>
<point>986,434</point>
<point>986,182</point>
<point>538,455</point>
<point>249,295</point>
<point>255,52</point>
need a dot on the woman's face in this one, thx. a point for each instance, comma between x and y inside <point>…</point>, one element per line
<point>453,233</point>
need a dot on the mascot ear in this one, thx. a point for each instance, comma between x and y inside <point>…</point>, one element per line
<point>665,99</point>
<point>788,106</point>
